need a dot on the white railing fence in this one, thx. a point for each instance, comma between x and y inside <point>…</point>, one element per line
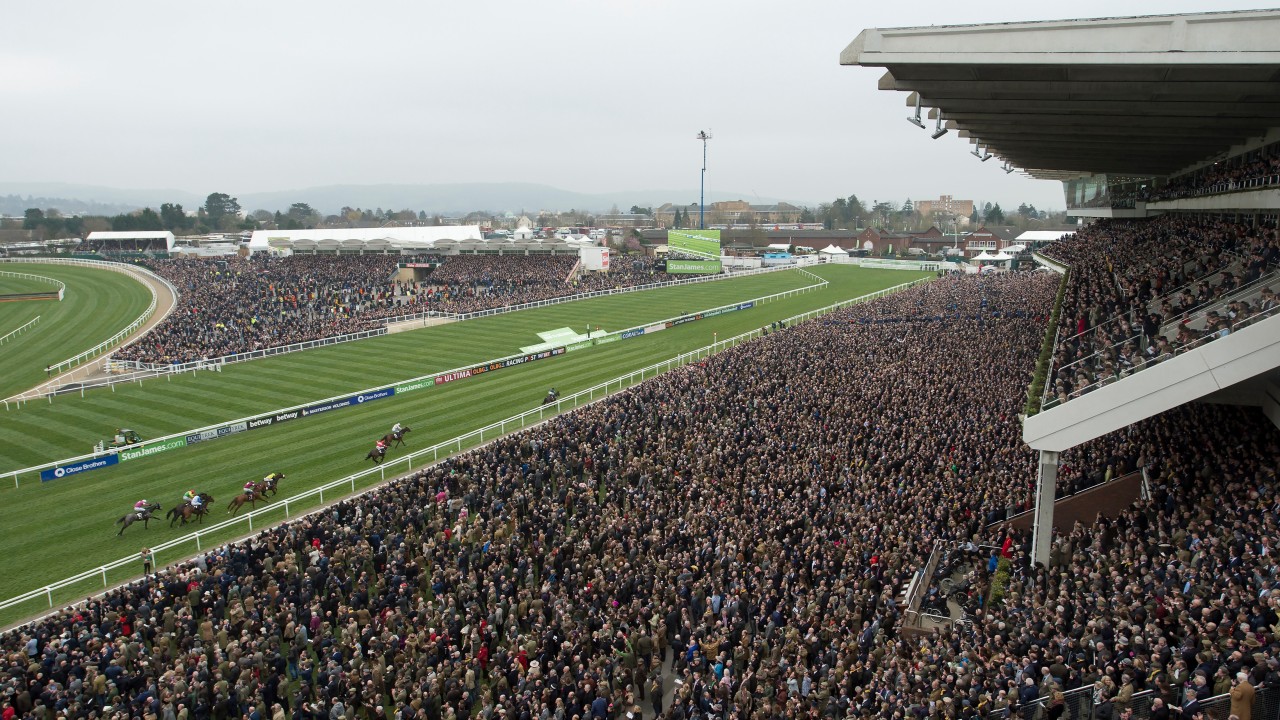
<point>312,500</point>
<point>139,377</point>
<point>162,368</point>
<point>119,337</point>
<point>62,287</point>
<point>14,333</point>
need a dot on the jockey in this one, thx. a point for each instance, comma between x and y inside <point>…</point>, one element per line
<point>188,496</point>
<point>248,488</point>
<point>395,429</point>
<point>380,446</point>
<point>196,501</point>
<point>141,505</point>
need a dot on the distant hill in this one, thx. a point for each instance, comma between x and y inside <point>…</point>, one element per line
<point>445,199</point>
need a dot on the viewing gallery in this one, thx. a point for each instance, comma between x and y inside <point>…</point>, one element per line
<point>1042,493</point>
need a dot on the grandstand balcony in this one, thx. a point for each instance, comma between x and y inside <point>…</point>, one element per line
<point>1241,366</point>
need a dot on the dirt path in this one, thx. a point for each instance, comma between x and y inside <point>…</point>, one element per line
<point>95,369</point>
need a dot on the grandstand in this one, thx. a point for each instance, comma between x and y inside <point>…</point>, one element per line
<point>140,243</point>
<point>1115,108</point>
<point>829,521</point>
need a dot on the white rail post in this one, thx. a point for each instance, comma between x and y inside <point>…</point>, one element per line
<point>104,575</point>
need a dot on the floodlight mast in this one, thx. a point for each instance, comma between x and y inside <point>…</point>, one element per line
<point>704,136</point>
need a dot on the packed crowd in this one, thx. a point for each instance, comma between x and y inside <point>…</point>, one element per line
<point>1178,594</point>
<point>1132,282</point>
<point>1234,174</point>
<point>235,305</point>
<point>726,540</point>
<point>472,283</point>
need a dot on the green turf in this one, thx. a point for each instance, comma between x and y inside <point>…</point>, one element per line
<point>41,432</point>
<point>316,450</point>
<point>97,304</point>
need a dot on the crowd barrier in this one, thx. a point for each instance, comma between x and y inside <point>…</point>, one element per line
<point>313,500</point>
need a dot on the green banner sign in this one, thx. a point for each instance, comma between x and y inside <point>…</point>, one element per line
<point>429,382</point>
<point>695,267</point>
<point>148,450</point>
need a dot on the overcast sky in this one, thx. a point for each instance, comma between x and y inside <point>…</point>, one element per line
<point>587,95</point>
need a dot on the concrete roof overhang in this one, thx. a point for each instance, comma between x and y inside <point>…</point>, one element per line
<point>1137,96</point>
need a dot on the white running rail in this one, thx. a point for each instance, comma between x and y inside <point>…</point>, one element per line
<point>14,333</point>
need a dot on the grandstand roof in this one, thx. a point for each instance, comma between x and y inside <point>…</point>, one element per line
<point>407,237</point>
<point>1135,95</point>
<point>133,235</point>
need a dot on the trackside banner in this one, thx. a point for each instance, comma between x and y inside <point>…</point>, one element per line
<point>402,389</point>
<point>75,468</point>
<point>349,401</point>
<point>152,449</point>
<point>274,419</point>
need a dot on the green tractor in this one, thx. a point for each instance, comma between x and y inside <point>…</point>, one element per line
<point>124,437</point>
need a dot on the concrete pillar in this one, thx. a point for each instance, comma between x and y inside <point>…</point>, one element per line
<point>1042,530</point>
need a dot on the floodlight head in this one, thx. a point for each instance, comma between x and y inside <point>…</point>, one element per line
<point>939,131</point>
<point>915,119</point>
<point>704,135</point>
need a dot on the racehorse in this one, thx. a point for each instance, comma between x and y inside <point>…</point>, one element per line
<point>270,482</point>
<point>551,397</point>
<point>377,454</point>
<point>186,511</point>
<point>133,517</point>
<point>396,437</point>
<point>238,501</point>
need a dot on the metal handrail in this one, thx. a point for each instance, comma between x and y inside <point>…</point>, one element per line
<point>448,448</point>
<point>1148,362</point>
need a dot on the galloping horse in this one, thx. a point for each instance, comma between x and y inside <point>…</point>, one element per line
<point>186,511</point>
<point>270,482</point>
<point>552,396</point>
<point>143,515</point>
<point>377,454</point>
<point>238,501</point>
<point>396,437</point>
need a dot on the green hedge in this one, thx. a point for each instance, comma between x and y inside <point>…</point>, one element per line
<point>1036,390</point>
<point>1000,582</point>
